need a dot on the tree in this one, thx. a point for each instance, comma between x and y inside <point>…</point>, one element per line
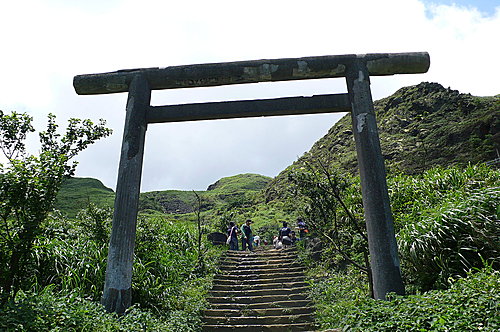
<point>29,185</point>
<point>333,209</point>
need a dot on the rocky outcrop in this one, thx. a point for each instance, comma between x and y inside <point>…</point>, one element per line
<point>420,127</point>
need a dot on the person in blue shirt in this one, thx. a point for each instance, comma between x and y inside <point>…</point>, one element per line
<point>301,225</point>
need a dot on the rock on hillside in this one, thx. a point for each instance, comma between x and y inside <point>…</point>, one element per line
<point>420,127</point>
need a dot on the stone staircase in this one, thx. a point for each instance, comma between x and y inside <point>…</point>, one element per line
<point>257,291</point>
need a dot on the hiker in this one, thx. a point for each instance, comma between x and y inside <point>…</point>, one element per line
<point>232,234</point>
<point>277,243</point>
<point>246,236</point>
<point>301,225</point>
<point>256,241</point>
<point>293,237</point>
<point>284,234</point>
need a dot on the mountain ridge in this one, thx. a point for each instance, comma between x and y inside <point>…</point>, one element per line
<point>420,126</point>
<point>76,193</point>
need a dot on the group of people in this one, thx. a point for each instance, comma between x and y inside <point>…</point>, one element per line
<point>247,238</point>
<point>285,237</point>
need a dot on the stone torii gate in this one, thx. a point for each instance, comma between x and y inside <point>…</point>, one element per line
<point>356,69</point>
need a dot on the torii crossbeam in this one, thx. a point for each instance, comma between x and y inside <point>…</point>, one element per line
<point>356,69</point>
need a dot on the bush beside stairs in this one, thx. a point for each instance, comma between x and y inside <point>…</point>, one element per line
<point>256,291</point>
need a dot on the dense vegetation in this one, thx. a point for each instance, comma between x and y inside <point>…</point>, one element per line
<point>447,229</point>
<point>63,287</point>
<point>170,280</point>
<point>29,185</point>
<point>446,217</point>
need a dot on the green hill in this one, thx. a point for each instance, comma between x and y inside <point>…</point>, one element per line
<point>77,193</point>
<point>236,190</point>
<point>232,191</point>
<point>420,127</point>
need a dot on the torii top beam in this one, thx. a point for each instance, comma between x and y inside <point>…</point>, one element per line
<point>214,74</point>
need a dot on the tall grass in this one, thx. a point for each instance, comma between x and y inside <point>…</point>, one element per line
<point>448,231</point>
<point>470,304</point>
<point>447,222</point>
<point>170,279</point>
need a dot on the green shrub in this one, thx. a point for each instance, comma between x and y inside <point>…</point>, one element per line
<point>50,311</point>
<point>170,279</point>
<point>447,221</point>
<point>470,304</point>
<point>71,255</point>
<point>336,294</point>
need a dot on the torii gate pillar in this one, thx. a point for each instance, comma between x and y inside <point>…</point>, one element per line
<point>384,260</point>
<point>117,296</point>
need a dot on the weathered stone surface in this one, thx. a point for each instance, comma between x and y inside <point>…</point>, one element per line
<point>269,70</point>
<point>117,289</point>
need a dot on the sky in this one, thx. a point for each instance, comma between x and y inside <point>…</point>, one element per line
<point>45,43</point>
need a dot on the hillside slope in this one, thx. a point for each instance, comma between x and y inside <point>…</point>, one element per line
<point>77,193</point>
<point>233,190</point>
<point>420,127</point>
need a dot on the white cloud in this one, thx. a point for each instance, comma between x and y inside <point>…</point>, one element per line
<point>46,42</point>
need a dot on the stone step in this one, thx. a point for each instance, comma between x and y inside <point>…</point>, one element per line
<point>259,257</point>
<point>262,305</point>
<point>258,261</point>
<point>261,328</point>
<point>269,248</point>
<point>259,273</point>
<point>258,292</point>
<point>255,261</point>
<point>225,280</point>
<point>268,253</point>
<point>252,255</point>
<point>249,312</point>
<point>260,320</point>
<point>263,285</point>
<point>264,266</point>
<point>264,290</point>
<point>256,299</point>
<point>260,276</point>
<point>269,266</point>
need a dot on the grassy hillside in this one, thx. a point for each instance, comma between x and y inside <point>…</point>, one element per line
<point>420,127</point>
<point>236,190</point>
<point>233,191</point>
<point>239,183</point>
<point>77,193</point>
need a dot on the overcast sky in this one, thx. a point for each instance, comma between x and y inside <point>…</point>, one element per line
<point>44,43</point>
